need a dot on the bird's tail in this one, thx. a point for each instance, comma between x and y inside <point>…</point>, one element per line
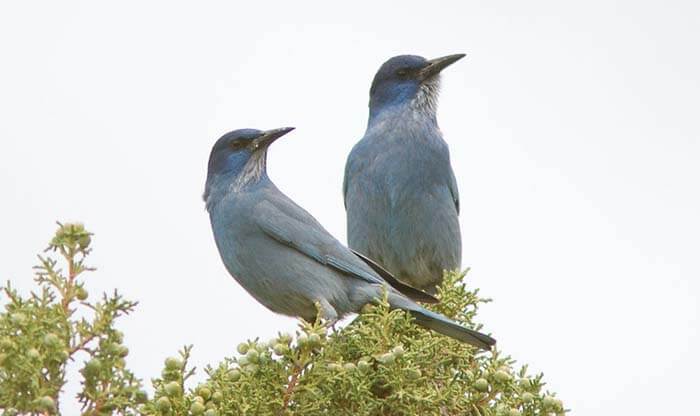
<point>442,324</point>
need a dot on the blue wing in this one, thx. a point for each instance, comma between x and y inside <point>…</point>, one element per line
<point>289,224</point>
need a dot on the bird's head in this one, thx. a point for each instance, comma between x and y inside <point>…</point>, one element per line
<point>409,79</point>
<point>239,157</point>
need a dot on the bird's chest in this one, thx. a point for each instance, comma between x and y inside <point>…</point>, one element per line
<point>233,235</point>
<point>406,173</point>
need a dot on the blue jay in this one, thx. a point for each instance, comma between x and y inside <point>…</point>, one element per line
<point>400,191</point>
<point>284,258</point>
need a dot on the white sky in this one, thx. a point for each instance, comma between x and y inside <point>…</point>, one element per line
<point>574,136</point>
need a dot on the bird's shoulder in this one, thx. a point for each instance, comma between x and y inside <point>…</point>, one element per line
<point>282,219</point>
<point>290,225</point>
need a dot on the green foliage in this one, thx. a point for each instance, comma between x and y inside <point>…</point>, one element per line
<point>58,323</point>
<point>379,364</point>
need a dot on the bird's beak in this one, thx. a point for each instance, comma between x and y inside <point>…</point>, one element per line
<point>269,136</point>
<point>438,64</point>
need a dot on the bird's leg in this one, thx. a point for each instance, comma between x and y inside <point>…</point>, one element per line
<point>327,313</point>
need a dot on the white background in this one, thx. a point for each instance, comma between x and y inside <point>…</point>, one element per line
<point>574,136</point>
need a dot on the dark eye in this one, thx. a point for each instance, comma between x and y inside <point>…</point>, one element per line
<point>402,72</point>
<point>237,144</point>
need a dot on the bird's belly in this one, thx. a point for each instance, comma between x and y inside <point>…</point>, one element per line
<point>290,283</point>
<point>414,235</point>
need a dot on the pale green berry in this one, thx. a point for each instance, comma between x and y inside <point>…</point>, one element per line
<point>243,348</point>
<point>173,388</point>
<point>170,375</point>
<point>514,412</point>
<point>334,367</point>
<point>363,365</point>
<point>113,348</point>
<point>172,363</point>
<point>302,339</point>
<point>140,396</point>
<point>527,397</point>
<point>93,366</point>
<point>197,408</point>
<point>481,385</point>
<point>210,412</point>
<point>550,402</point>
<point>47,403</point>
<point>253,356</point>
<point>414,374</point>
<point>234,374</point>
<point>84,241</point>
<point>387,358</point>
<point>314,340</point>
<point>51,340</point>
<point>398,351</point>
<point>501,376</point>
<point>163,404</point>
<point>123,351</point>
<point>33,354</point>
<point>80,293</point>
<point>280,349</point>
<point>349,366</point>
<point>217,397</point>
<point>204,392</point>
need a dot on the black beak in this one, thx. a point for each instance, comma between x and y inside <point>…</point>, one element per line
<point>438,64</point>
<point>269,136</point>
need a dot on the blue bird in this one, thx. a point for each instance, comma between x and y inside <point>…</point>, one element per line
<point>400,191</point>
<point>283,257</point>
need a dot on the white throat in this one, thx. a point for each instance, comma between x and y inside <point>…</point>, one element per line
<point>252,171</point>
<point>426,100</point>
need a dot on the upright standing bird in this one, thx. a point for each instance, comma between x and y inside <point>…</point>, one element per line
<point>283,257</point>
<point>400,192</point>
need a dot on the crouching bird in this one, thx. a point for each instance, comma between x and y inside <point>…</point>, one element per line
<point>284,258</point>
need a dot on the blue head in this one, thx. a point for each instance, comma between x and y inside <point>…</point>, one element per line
<point>405,78</point>
<point>239,158</point>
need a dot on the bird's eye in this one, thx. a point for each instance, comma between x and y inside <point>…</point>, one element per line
<point>402,72</point>
<point>235,145</point>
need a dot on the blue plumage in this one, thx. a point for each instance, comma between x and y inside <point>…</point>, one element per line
<point>283,257</point>
<point>400,191</point>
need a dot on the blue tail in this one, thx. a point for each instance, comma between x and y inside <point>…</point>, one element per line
<point>442,324</point>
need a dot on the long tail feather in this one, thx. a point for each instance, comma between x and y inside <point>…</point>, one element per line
<point>442,324</point>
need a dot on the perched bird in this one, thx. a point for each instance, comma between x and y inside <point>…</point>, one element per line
<point>400,192</point>
<point>283,257</point>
